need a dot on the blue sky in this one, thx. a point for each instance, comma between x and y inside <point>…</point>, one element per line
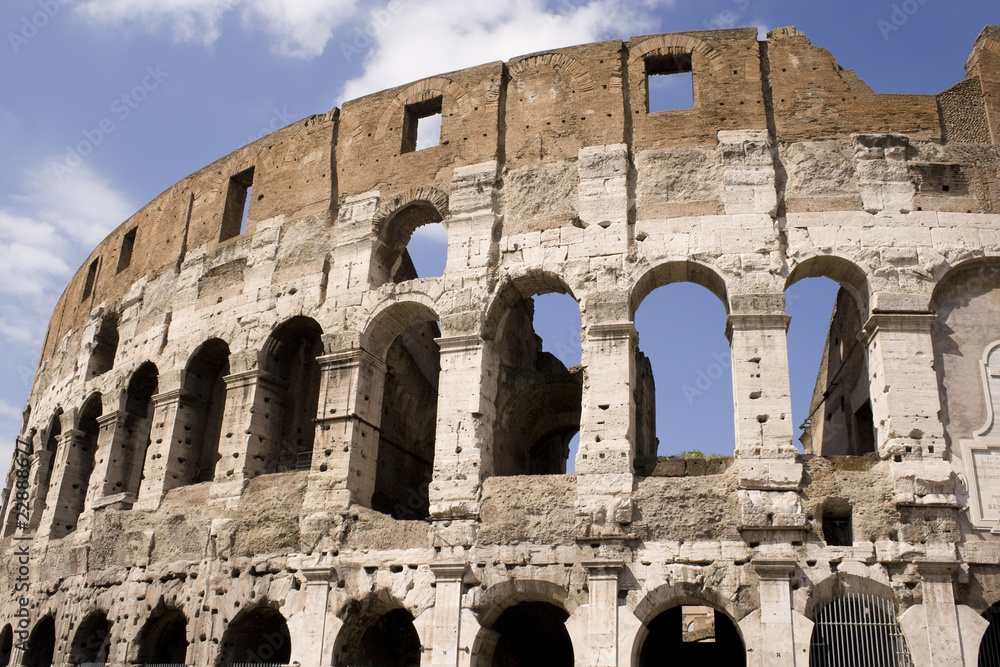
<point>106,103</point>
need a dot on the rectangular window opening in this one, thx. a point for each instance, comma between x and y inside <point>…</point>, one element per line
<point>669,82</point>
<point>125,256</point>
<point>88,286</point>
<point>422,125</point>
<point>237,210</point>
<point>697,624</point>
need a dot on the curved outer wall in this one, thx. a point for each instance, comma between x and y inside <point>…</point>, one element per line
<point>551,175</point>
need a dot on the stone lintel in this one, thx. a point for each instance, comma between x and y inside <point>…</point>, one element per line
<point>247,378</point>
<point>603,569</point>
<point>117,415</point>
<point>449,571</point>
<point>348,359</point>
<point>612,331</point>
<point>904,322</point>
<point>318,574</point>
<point>774,569</point>
<point>457,344</point>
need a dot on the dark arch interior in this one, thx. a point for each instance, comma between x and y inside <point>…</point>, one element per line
<point>105,347</point>
<point>532,633</point>
<point>92,640</point>
<point>127,475</point>
<point>692,635</point>
<point>6,644</point>
<point>290,354</point>
<point>989,647</point>
<point>164,638</point>
<point>79,467</point>
<point>258,636</point>
<point>389,641</point>
<point>41,644</point>
<point>203,380</point>
<point>405,460</point>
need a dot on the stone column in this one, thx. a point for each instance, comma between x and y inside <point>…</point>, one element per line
<point>466,411</point>
<point>347,430</point>
<point>604,470</point>
<point>172,412</point>
<point>777,628</point>
<point>70,470</point>
<point>602,614</point>
<point>308,646</point>
<point>943,635</point>
<point>40,486</point>
<point>108,458</point>
<point>446,637</point>
<point>905,406</point>
<point>251,427</point>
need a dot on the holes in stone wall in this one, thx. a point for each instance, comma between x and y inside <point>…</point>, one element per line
<point>125,253</point>
<point>235,214</point>
<point>540,387</point>
<point>405,459</point>
<point>669,82</point>
<point>684,399</point>
<point>421,125</point>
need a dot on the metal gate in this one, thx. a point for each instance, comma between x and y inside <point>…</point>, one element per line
<point>858,630</point>
<point>989,648</point>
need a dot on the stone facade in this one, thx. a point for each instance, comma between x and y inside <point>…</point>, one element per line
<point>278,444</point>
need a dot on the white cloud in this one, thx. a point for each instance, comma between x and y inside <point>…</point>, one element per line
<point>300,28</point>
<point>44,234</point>
<point>431,233</point>
<point>433,36</point>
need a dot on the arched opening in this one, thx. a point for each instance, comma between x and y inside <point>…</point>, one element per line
<point>47,463</point>
<point>692,634</point>
<point>828,369</point>
<point>125,473</point>
<point>836,522</point>
<point>6,644</point>
<point>540,381</point>
<point>41,644</point>
<point>257,636</point>
<point>857,629</point>
<point>92,640</point>
<point>290,355</point>
<point>684,383</point>
<point>387,640</point>
<point>404,463</point>
<point>531,633</point>
<point>78,469</point>
<point>203,409</point>
<point>989,646</point>
<point>392,260</point>
<point>104,348</point>
<point>163,639</point>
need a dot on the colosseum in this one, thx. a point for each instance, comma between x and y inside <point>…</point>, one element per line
<point>257,436</point>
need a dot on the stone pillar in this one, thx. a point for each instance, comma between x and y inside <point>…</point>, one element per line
<point>602,613</point>
<point>942,632</point>
<point>251,427</point>
<point>604,470</point>
<point>39,486</point>
<point>108,459</point>
<point>466,411</point>
<point>71,469</point>
<point>308,647</point>
<point>777,628</point>
<point>172,412</point>
<point>883,175</point>
<point>905,406</point>
<point>446,636</point>
<point>346,443</point>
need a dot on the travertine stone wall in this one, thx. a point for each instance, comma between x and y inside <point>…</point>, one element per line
<point>286,441</point>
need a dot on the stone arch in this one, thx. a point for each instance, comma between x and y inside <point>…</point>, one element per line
<point>129,450</point>
<point>379,618</point>
<point>842,583</point>
<point>45,455</point>
<point>394,223</point>
<point>555,60</point>
<point>78,466</point>
<point>203,395</point>
<point>256,635</point>
<point>662,45</point>
<point>391,316</point>
<point>667,598</point>
<point>289,356</point>
<point>92,640</point>
<point>665,273</point>
<point>520,607</point>
<point>6,644</point>
<point>41,643</point>
<point>455,101</point>
<point>104,347</point>
<point>163,637</point>
<point>517,288</point>
<point>848,274</point>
